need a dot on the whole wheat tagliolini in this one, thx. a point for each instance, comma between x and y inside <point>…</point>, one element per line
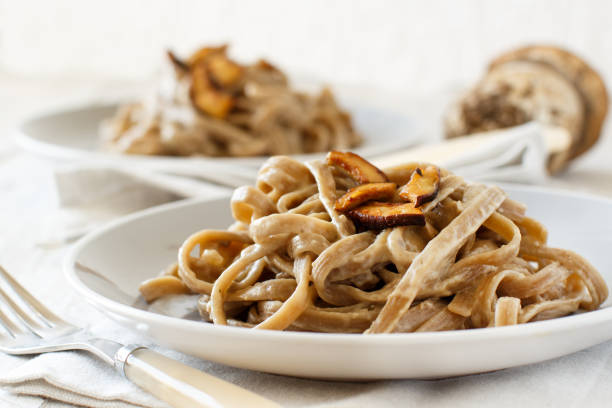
<point>341,246</point>
<point>210,105</point>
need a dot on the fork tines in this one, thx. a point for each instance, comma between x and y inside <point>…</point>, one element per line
<point>20,312</point>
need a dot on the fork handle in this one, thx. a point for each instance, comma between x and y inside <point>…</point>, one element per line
<point>182,386</point>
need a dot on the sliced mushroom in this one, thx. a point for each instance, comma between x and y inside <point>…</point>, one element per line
<point>207,98</point>
<point>359,168</point>
<point>377,215</point>
<point>422,187</point>
<point>223,71</point>
<point>364,192</point>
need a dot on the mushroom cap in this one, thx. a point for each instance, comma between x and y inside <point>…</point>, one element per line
<point>587,81</point>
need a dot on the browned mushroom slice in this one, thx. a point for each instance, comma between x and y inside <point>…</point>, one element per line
<point>213,102</point>
<point>422,187</point>
<point>205,97</point>
<point>359,168</point>
<point>364,192</point>
<point>377,216</point>
<point>223,71</point>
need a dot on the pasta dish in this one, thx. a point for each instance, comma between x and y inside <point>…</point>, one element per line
<point>213,106</point>
<point>341,246</point>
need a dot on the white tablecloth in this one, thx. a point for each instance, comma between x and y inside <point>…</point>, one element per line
<point>28,216</point>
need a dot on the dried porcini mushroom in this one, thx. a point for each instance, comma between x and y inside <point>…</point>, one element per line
<point>207,98</point>
<point>359,168</point>
<point>422,187</point>
<point>223,71</point>
<point>363,193</point>
<point>215,80</point>
<point>377,215</point>
<point>374,185</point>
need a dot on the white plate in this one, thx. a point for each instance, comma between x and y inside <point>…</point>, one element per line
<point>73,135</point>
<point>137,247</point>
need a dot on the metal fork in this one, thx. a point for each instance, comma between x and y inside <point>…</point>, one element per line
<point>31,328</point>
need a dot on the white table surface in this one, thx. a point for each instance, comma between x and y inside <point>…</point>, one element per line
<point>28,214</point>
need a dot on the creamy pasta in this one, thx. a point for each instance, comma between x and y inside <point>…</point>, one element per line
<point>212,106</point>
<point>340,246</point>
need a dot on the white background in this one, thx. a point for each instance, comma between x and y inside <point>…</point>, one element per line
<point>401,55</point>
<point>407,46</point>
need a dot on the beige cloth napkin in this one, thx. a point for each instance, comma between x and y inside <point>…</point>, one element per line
<point>518,154</point>
<point>89,195</point>
<point>60,377</point>
<point>72,378</point>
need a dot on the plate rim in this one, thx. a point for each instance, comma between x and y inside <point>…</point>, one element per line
<point>552,326</point>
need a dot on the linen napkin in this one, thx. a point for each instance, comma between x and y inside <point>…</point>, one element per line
<point>59,377</point>
<point>72,378</point>
<point>89,195</point>
<point>518,154</point>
